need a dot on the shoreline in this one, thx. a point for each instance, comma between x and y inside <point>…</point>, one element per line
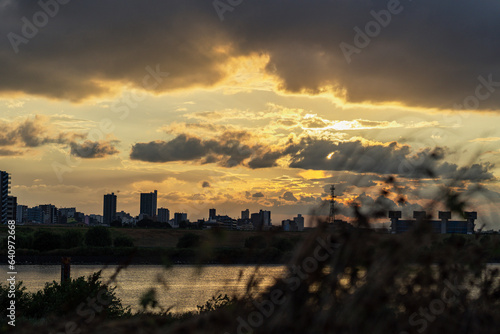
<point>121,260</point>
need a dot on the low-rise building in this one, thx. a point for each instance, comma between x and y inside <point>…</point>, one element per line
<point>442,226</point>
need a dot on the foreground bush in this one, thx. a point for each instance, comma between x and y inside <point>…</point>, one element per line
<point>81,295</point>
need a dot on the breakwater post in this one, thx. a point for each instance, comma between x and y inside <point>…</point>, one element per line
<point>65,269</point>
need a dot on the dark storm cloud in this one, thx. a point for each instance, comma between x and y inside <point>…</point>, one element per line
<point>319,154</point>
<point>32,133</point>
<point>476,172</point>
<point>88,42</point>
<point>431,53</point>
<point>288,196</point>
<point>93,149</point>
<point>268,159</point>
<point>380,159</point>
<point>35,132</point>
<point>182,148</point>
<point>7,152</point>
<point>226,151</point>
<point>258,195</point>
<point>205,184</point>
<point>315,154</point>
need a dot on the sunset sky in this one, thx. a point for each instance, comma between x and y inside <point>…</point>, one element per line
<point>250,104</point>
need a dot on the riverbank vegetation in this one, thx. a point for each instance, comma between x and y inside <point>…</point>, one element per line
<point>46,245</point>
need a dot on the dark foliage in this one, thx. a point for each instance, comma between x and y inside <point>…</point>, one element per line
<point>123,241</point>
<point>189,240</point>
<point>116,223</point>
<point>256,242</point>
<point>71,239</point>
<point>45,240</point>
<point>149,223</point>
<point>98,236</point>
<point>283,244</point>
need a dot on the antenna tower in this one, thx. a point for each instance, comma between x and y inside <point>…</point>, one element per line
<point>332,204</point>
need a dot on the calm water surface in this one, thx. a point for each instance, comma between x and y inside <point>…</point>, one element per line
<point>182,287</point>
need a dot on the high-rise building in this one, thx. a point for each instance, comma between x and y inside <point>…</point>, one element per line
<point>148,204</point>
<point>299,222</point>
<point>67,212</point>
<point>295,224</point>
<point>49,213</point>
<point>245,214</point>
<point>261,220</point>
<point>266,218</point>
<point>109,209</point>
<point>35,215</point>
<point>4,195</point>
<point>212,213</point>
<point>163,215</point>
<point>22,213</point>
<point>180,217</point>
<point>256,219</point>
<point>11,208</point>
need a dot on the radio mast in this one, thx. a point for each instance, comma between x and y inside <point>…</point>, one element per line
<point>332,204</point>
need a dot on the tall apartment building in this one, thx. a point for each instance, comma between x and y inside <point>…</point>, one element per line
<point>35,215</point>
<point>22,213</point>
<point>67,212</point>
<point>148,204</point>
<point>179,217</point>
<point>50,215</point>
<point>109,209</point>
<point>11,208</point>
<point>4,195</point>
<point>261,220</point>
<point>163,215</point>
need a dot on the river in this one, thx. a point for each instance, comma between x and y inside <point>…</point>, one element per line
<point>181,287</point>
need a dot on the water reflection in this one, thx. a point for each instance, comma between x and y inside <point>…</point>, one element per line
<point>182,287</point>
